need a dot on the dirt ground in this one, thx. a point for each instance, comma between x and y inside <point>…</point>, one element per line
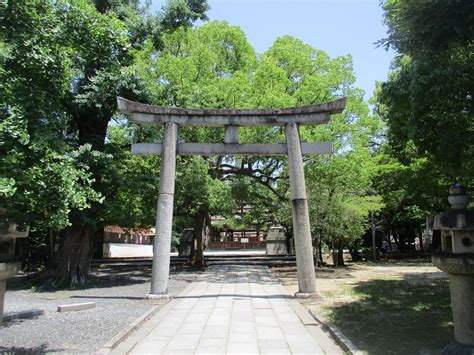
<point>388,307</point>
<point>329,281</point>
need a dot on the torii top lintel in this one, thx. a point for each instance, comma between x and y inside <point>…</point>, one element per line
<point>197,117</point>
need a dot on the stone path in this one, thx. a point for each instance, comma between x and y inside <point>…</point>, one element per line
<point>231,310</point>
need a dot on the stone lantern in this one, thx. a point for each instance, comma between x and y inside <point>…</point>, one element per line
<point>457,260</point>
<point>10,251</point>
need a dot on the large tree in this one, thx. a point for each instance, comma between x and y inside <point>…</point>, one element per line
<point>72,58</point>
<point>428,99</point>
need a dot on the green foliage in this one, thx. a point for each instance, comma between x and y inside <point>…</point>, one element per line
<point>41,179</point>
<point>428,107</point>
<point>412,188</point>
<point>196,190</point>
<point>62,64</point>
<point>183,13</point>
<point>342,196</point>
<point>339,186</point>
<point>419,26</point>
<point>428,97</point>
<point>214,66</point>
<point>60,184</point>
<point>202,67</point>
<point>310,75</point>
<point>130,183</point>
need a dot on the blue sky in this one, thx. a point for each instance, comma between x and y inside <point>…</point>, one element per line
<point>336,26</point>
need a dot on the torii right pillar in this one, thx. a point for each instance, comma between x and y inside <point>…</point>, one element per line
<point>299,204</point>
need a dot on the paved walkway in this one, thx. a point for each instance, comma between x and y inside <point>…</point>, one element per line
<point>231,310</point>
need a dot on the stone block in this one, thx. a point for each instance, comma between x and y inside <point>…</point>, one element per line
<point>76,307</point>
<point>276,241</point>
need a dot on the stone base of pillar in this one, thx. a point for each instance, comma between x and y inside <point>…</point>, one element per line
<point>305,295</point>
<point>163,296</point>
<point>457,349</point>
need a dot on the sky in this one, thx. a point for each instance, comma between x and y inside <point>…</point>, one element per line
<point>337,27</point>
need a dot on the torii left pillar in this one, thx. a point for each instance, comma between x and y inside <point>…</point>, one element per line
<point>164,215</point>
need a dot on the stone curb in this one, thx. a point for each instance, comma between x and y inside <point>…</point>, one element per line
<point>121,336</point>
<point>75,307</point>
<point>341,339</point>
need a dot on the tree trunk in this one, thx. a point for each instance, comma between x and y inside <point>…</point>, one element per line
<point>73,257</point>
<point>420,236</point>
<point>315,242</point>
<point>355,255</point>
<point>51,246</point>
<point>192,252</point>
<point>320,250</point>
<point>197,259</point>
<point>338,256</point>
<point>288,237</point>
<point>396,238</point>
<point>374,242</point>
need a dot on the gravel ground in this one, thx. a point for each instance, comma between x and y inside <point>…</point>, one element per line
<point>119,298</point>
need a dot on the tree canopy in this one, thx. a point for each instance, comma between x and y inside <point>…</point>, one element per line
<point>428,108</point>
<point>63,64</point>
<point>428,97</point>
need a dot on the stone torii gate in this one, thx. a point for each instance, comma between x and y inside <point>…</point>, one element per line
<point>231,119</point>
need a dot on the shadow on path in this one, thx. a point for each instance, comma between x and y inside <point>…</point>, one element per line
<point>101,278</point>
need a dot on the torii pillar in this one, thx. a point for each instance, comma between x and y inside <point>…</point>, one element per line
<point>231,119</point>
<point>164,214</point>
<point>299,204</point>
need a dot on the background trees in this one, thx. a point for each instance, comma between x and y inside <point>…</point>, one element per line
<point>428,97</point>
<point>428,107</point>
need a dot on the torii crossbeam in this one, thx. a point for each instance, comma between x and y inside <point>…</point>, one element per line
<point>231,119</point>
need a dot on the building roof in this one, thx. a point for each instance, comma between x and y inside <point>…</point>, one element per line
<point>134,230</point>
